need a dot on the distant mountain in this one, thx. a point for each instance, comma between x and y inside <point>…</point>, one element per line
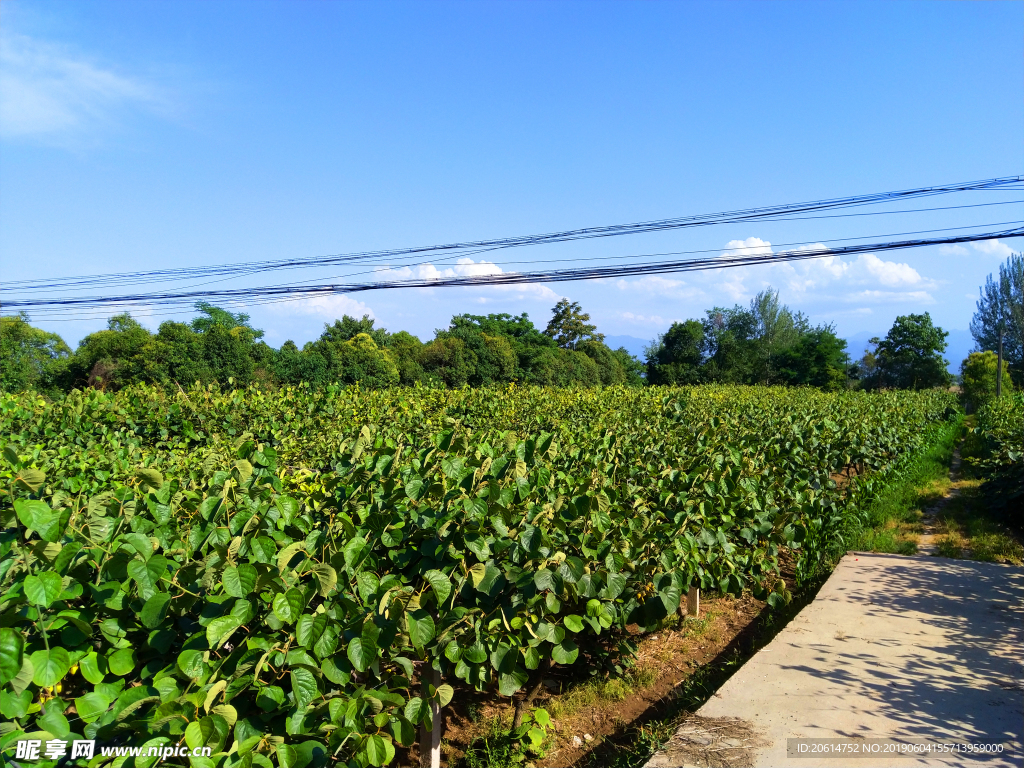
<point>633,345</point>
<point>958,346</point>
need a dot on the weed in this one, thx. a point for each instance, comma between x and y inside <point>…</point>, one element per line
<point>893,519</point>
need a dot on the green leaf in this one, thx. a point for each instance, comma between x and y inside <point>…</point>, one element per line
<point>288,605</point>
<point>141,544</point>
<point>92,705</point>
<point>477,573</point>
<point>288,507</point>
<point>15,705</point>
<point>503,658</point>
<point>191,663</point>
<point>309,629</point>
<point>531,658</point>
<point>421,628</point>
<point>286,555</point>
<point>416,710</point>
<point>38,516</point>
<point>444,694</point>
<point>155,610</point>
<point>511,682</point>
<point>573,623</point>
<point>220,629</point>
<point>94,667</point>
<point>50,667</point>
<point>327,578</point>
<point>12,649</point>
<point>53,720</point>
<point>23,679</point>
<point>367,584</point>
<point>414,487</point>
<point>286,756</point>
<point>121,662</point>
<point>211,695</point>
<point>149,478</point>
<point>239,581</point>
<point>362,652</point>
<point>565,652</point>
<point>32,479</point>
<point>353,552</point>
<point>42,589</point>
<point>440,583</point>
<point>304,687</point>
<point>476,653</point>
<point>376,750</point>
<point>147,574</point>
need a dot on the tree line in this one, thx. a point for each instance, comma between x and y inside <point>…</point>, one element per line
<point>764,342</point>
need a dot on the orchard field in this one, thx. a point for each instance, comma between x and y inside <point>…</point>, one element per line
<point>297,577</point>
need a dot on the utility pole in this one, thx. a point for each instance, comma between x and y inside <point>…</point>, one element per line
<point>999,365</point>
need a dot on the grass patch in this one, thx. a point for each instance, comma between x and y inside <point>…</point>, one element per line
<point>894,518</point>
<point>966,530</point>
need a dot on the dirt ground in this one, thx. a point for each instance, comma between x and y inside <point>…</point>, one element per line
<point>585,714</point>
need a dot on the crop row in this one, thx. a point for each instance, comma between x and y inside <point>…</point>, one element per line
<point>294,579</point>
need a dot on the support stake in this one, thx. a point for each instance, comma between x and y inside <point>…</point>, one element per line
<point>693,602</point>
<point>430,741</point>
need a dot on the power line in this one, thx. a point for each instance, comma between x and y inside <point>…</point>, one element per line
<point>284,292</point>
<point>787,212</point>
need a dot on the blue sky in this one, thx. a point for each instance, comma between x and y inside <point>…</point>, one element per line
<point>150,135</point>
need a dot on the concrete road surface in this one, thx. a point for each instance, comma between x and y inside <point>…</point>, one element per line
<point>922,649</point>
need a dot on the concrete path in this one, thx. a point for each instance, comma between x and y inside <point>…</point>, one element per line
<point>892,647</point>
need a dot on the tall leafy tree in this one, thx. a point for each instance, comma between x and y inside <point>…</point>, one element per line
<point>978,379</point>
<point>570,325</point>
<point>775,330</point>
<point>1001,306</point>
<point>122,354</point>
<point>817,359</point>
<point>30,358</point>
<point>910,355</point>
<point>210,316</point>
<point>676,357</point>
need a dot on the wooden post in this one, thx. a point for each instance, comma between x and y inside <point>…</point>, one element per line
<point>430,741</point>
<point>693,602</point>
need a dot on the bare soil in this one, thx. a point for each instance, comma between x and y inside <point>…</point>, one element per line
<point>665,659</point>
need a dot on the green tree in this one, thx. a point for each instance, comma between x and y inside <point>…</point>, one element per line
<point>978,376</point>
<point>817,359</point>
<point>910,355</point>
<point>405,348</point>
<point>211,316</point>
<point>570,325</point>
<point>348,328</point>
<point>729,345</point>
<point>30,358</point>
<point>449,361</point>
<point>356,360</point>
<point>677,355</point>
<point>122,354</point>
<point>1001,306</point>
<point>775,330</point>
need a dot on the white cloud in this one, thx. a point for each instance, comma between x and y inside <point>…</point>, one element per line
<point>466,267</point>
<point>993,247</point>
<point>877,296</point>
<point>654,320</point>
<point>48,90</point>
<point>989,247</point>
<point>657,285</point>
<point>827,278</point>
<point>329,305</point>
<point>752,246</point>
